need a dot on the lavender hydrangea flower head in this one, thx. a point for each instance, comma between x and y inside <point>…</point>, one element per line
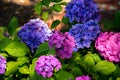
<point>63,43</point>
<point>2,65</point>
<point>84,34</point>
<point>82,11</point>
<point>108,45</point>
<point>83,77</point>
<point>34,33</point>
<point>46,65</point>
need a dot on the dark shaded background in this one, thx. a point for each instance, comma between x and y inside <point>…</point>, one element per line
<point>23,10</point>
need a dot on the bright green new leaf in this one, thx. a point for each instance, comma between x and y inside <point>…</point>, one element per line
<point>105,67</point>
<point>17,49</point>
<point>45,15</point>
<point>55,23</point>
<point>11,67</point>
<point>57,7</point>
<point>38,8</point>
<point>89,61</point>
<point>24,69</point>
<point>22,60</point>
<point>13,24</point>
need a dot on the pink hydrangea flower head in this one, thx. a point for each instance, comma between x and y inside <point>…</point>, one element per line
<point>63,43</point>
<point>108,45</point>
<point>46,65</point>
<point>83,77</point>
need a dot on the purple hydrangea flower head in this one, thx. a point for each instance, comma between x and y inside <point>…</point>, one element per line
<point>84,34</point>
<point>83,77</point>
<point>63,43</point>
<point>34,33</point>
<point>2,65</point>
<point>82,10</point>
<point>108,45</point>
<point>46,65</point>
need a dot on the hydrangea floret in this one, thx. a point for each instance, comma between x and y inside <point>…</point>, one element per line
<point>84,34</point>
<point>46,65</point>
<point>34,33</point>
<point>108,45</point>
<point>82,11</point>
<point>2,65</point>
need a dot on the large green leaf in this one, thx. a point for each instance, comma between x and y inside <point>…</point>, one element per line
<point>11,67</point>
<point>24,69</point>
<point>105,67</point>
<point>22,60</point>
<point>42,48</point>
<point>13,24</point>
<point>38,8</point>
<point>17,49</point>
<point>64,75</point>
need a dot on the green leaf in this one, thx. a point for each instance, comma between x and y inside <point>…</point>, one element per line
<point>45,15</point>
<point>22,60</point>
<point>118,78</point>
<point>42,48</point>
<point>96,58</point>
<point>13,24</point>
<point>89,61</point>
<point>55,23</point>
<point>17,49</point>
<point>56,0</point>
<point>38,8</point>
<point>52,51</point>
<point>24,69</point>
<point>46,2</point>
<point>4,55</point>
<point>117,18</point>
<point>65,20</point>
<point>76,71</point>
<point>4,43</point>
<point>57,7</point>
<point>105,67</point>
<point>2,30</point>
<point>64,75</point>
<point>11,67</point>
<point>63,3</point>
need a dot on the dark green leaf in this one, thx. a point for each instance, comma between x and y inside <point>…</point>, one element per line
<point>2,30</point>
<point>105,67</point>
<point>45,15</point>
<point>64,75</point>
<point>57,7</point>
<point>52,51</point>
<point>65,20</point>
<point>24,69</point>
<point>38,8</point>
<point>46,2</point>
<point>11,67</point>
<point>12,26</point>
<point>17,49</point>
<point>63,3</point>
<point>42,48</point>
<point>4,43</point>
<point>76,71</point>
<point>56,0</point>
<point>117,18</point>
<point>55,23</point>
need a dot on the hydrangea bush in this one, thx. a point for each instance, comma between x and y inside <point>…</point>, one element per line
<point>81,51</point>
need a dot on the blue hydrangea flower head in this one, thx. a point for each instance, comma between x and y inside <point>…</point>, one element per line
<point>82,11</point>
<point>34,33</point>
<point>84,34</point>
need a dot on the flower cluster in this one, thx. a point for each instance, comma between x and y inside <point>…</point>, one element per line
<point>83,77</point>
<point>84,34</point>
<point>2,65</point>
<point>63,43</point>
<point>82,11</point>
<point>34,33</point>
<point>108,45</point>
<point>46,65</point>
